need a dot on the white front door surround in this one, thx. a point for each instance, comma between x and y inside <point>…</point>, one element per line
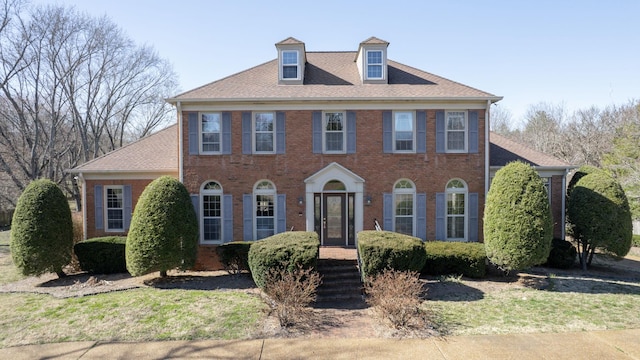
<point>316,183</point>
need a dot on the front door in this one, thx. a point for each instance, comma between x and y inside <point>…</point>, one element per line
<point>333,220</point>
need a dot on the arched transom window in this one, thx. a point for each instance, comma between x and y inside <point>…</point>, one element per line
<point>264,194</point>
<point>404,207</point>
<point>211,200</point>
<point>456,209</point>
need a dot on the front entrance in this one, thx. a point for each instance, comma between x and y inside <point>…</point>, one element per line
<point>334,205</point>
<point>334,213</point>
<point>333,220</point>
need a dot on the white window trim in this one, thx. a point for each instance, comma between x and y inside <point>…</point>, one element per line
<point>366,65</point>
<point>297,65</point>
<point>253,132</point>
<point>546,182</point>
<point>255,194</point>
<point>413,126</point>
<point>220,193</point>
<point>106,208</point>
<point>200,132</point>
<point>466,132</point>
<point>466,209</point>
<point>344,133</point>
<point>405,191</point>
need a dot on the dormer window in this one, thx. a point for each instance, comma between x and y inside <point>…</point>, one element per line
<point>374,65</point>
<point>372,61</point>
<point>291,61</point>
<point>290,65</point>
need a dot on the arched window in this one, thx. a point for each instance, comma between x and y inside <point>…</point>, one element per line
<point>211,220</point>
<point>264,194</point>
<point>456,209</point>
<point>404,207</point>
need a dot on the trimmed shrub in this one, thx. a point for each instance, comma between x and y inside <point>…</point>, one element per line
<point>234,256</point>
<point>518,226</point>
<point>41,231</point>
<point>284,250</point>
<point>460,258</point>
<point>164,229</point>
<point>380,250</point>
<point>600,218</point>
<point>583,171</point>
<point>562,255</point>
<point>103,255</point>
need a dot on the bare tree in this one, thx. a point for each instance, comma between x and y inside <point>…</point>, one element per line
<point>72,88</point>
<point>501,120</point>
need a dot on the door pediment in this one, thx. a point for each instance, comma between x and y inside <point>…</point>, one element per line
<point>334,171</point>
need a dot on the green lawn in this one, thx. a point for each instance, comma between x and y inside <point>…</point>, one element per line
<point>8,272</point>
<point>529,310</point>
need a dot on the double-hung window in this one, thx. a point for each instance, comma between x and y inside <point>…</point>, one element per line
<point>404,207</point>
<point>211,194</point>
<point>265,200</point>
<point>290,65</point>
<point>456,209</point>
<point>114,196</point>
<point>404,131</point>
<point>211,133</point>
<point>264,132</point>
<point>334,132</point>
<point>456,131</point>
<point>374,65</point>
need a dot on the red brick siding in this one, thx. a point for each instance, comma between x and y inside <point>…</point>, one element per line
<point>237,173</point>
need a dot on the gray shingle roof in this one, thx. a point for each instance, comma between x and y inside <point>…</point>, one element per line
<point>332,76</point>
<point>155,153</point>
<point>503,151</point>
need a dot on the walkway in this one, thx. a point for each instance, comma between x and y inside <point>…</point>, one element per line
<point>620,344</point>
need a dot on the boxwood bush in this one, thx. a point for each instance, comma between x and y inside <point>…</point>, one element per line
<point>460,258</point>
<point>234,256</point>
<point>288,249</point>
<point>563,254</point>
<point>103,255</point>
<point>381,250</point>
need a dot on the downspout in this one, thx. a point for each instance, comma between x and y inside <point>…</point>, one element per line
<point>487,126</point>
<point>564,199</point>
<point>180,143</point>
<point>84,205</point>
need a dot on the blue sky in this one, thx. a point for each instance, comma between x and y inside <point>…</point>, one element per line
<point>576,53</point>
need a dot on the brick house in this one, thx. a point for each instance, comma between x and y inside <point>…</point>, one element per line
<point>332,142</point>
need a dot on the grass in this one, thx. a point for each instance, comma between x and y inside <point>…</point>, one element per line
<point>525,310</point>
<point>133,315</point>
<point>8,272</point>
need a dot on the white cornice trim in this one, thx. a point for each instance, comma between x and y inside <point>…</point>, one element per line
<point>290,100</point>
<point>337,105</point>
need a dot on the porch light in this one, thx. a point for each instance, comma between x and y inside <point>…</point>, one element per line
<point>368,200</point>
<point>300,200</point>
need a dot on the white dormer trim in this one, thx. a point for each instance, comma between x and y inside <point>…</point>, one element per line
<point>291,59</point>
<point>372,61</point>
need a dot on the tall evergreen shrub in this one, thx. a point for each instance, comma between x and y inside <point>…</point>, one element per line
<point>517,221</point>
<point>42,230</point>
<point>164,229</point>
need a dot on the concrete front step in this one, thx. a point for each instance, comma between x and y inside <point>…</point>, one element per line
<point>340,281</point>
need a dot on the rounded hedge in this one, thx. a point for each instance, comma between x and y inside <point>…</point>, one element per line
<point>103,255</point>
<point>517,221</point>
<point>599,214</point>
<point>41,230</point>
<point>562,256</point>
<point>460,258</point>
<point>380,250</point>
<point>234,256</point>
<point>288,249</point>
<point>164,229</point>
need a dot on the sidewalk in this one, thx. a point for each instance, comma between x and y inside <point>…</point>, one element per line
<point>618,344</point>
